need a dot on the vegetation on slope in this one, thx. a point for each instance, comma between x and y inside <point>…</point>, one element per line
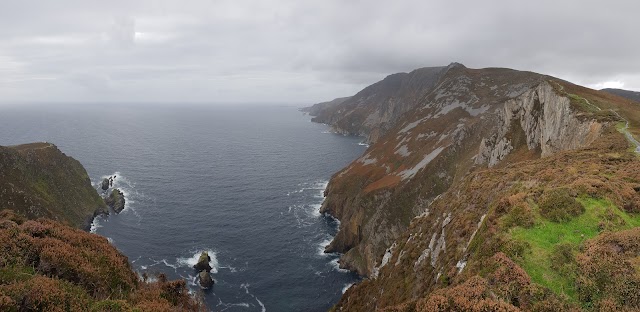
<point>38,180</point>
<point>527,252</point>
<point>47,266</point>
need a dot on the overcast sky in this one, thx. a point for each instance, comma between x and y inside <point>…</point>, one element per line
<point>296,51</point>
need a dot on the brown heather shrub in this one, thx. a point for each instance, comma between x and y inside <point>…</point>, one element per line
<point>606,271</point>
<point>46,266</point>
<point>111,306</point>
<point>46,294</point>
<point>473,295</point>
<point>558,205</point>
<point>508,280</point>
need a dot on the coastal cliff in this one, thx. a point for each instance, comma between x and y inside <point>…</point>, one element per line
<point>47,263</point>
<point>412,207</point>
<point>37,180</point>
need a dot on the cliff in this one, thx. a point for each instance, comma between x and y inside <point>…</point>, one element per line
<point>375,109</point>
<point>412,205</point>
<point>37,180</point>
<point>47,263</point>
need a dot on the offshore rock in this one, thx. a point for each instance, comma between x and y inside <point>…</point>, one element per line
<point>205,279</point>
<point>203,262</point>
<point>105,184</point>
<point>116,200</point>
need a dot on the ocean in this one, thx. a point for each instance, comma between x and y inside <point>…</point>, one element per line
<point>243,182</point>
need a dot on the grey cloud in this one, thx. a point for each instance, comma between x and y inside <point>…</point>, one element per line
<point>296,51</point>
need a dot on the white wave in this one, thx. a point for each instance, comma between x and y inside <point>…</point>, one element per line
<point>96,224</point>
<point>193,260</point>
<point>334,263</point>
<point>164,261</point>
<point>128,188</point>
<point>347,286</point>
<point>110,240</point>
<point>315,210</point>
<point>246,289</point>
<point>323,244</point>
<point>230,268</point>
<point>363,144</point>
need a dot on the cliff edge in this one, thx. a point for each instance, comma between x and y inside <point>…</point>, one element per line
<point>37,180</point>
<point>484,147</point>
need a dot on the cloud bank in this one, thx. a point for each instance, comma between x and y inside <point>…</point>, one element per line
<point>296,52</point>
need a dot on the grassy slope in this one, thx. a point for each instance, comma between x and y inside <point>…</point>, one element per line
<point>38,180</point>
<point>546,235</point>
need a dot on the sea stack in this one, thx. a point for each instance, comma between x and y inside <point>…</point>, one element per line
<point>115,200</point>
<point>204,269</point>
<point>105,184</point>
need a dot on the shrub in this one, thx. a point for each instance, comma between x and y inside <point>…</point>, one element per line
<point>558,205</point>
<point>520,215</point>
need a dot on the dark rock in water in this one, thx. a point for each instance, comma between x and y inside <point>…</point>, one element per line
<point>105,184</point>
<point>205,279</point>
<point>203,262</point>
<point>115,200</point>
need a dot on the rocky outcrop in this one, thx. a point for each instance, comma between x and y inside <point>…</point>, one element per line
<point>547,120</point>
<point>106,183</point>
<point>204,269</point>
<point>38,180</point>
<point>203,262</point>
<point>116,200</point>
<point>205,279</point>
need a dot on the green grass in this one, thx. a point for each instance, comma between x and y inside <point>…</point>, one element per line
<point>545,235</point>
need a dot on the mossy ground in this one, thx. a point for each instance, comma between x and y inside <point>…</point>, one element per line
<point>545,235</point>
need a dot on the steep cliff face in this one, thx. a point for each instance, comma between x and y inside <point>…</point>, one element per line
<point>495,241</point>
<point>374,110</point>
<point>38,180</point>
<point>481,146</point>
<point>473,118</point>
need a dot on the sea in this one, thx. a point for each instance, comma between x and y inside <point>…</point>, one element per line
<point>243,182</point>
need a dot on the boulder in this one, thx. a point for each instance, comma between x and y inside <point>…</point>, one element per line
<point>205,279</point>
<point>115,200</point>
<point>203,262</point>
<point>105,184</point>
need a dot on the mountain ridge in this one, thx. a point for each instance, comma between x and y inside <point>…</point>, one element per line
<point>468,121</point>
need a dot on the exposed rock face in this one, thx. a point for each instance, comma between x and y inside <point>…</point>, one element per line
<point>105,184</point>
<point>203,262</point>
<point>116,200</point>
<point>548,123</point>
<point>205,279</point>
<point>465,119</point>
<point>38,180</point>
<point>375,109</point>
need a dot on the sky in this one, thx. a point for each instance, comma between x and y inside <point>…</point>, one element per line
<point>295,51</point>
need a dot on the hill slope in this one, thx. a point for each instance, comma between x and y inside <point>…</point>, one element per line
<point>631,95</point>
<point>38,180</point>
<point>46,265</point>
<point>411,206</point>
